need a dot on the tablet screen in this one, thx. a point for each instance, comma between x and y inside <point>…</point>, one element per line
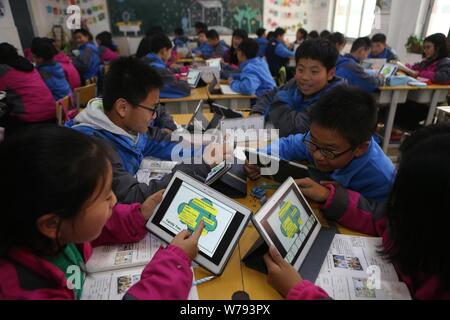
<point>289,224</point>
<point>184,207</point>
<point>193,77</point>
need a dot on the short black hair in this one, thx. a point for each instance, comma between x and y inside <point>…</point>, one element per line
<point>260,32</point>
<point>212,34</point>
<point>43,48</point>
<point>318,49</point>
<point>84,32</point>
<point>179,31</point>
<point>131,79</point>
<point>241,33</point>
<point>158,42</point>
<point>303,32</point>
<point>337,38</point>
<point>359,43</point>
<point>201,26</point>
<point>379,37</point>
<point>324,34</point>
<point>350,111</point>
<point>154,30</point>
<point>279,32</point>
<point>249,47</point>
<point>313,35</point>
<point>271,35</point>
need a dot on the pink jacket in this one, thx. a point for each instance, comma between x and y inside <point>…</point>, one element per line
<point>23,275</point>
<point>353,211</point>
<point>107,55</point>
<point>438,72</point>
<point>72,75</point>
<point>27,94</point>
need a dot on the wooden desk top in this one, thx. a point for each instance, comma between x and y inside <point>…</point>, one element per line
<point>189,60</point>
<point>197,94</point>
<point>412,88</point>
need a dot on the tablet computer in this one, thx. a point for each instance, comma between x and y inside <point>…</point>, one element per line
<point>287,222</point>
<point>185,203</point>
<point>193,77</point>
<point>388,70</point>
<point>277,168</point>
<point>217,172</point>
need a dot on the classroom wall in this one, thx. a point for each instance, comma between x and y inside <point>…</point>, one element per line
<point>46,13</point>
<point>8,30</point>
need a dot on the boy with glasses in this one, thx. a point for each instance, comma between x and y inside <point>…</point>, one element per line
<point>339,145</point>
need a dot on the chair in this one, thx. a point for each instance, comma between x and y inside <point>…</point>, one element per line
<point>84,94</point>
<point>64,110</point>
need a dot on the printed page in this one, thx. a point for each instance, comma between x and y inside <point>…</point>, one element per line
<point>106,258</point>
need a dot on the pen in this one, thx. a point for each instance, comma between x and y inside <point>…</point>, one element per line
<point>203,280</point>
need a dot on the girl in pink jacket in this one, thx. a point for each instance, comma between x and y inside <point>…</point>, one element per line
<point>66,208</point>
<point>413,223</point>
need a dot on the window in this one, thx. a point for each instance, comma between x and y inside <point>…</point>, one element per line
<point>438,20</point>
<point>354,18</point>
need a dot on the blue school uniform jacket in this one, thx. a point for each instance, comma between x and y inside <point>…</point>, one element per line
<point>388,54</point>
<point>349,68</point>
<point>88,62</point>
<point>173,88</point>
<point>254,78</point>
<point>288,110</point>
<point>55,79</point>
<point>218,51</point>
<point>372,174</point>
<point>277,55</point>
<point>262,43</point>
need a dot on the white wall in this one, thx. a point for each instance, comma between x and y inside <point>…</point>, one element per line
<point>8,30</point>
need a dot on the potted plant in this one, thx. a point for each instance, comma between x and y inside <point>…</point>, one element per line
<point>414,44</point>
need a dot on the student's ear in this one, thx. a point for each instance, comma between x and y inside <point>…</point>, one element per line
<point>331,73</point>
<point>121,107</point>
<point>361,149</point>
<point>48,225</point>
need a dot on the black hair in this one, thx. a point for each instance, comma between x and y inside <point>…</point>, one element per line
<point>279,32</point>
<point>201,26</point>
<point>349,111</point>
<point>85,33</point>
<point>43,48</point>
<point>160,41</point>
<point>154,30</point>
<point>62,169</point>
<point>440,42</point>
<point>105,39</point>
<point>131,79</point>
<point>318,49</point>
<point>418,226</point>
<point>144,47</point>
<point>271,35</point>
<point>260,32</point>
<point>303,32</point>
<point>249,47</point>
<point>179,31</point>
<point>212,34</point>
<point>324,34</point>
<point>313,35</point>
<point>241,33</point>
<point>337,38</point>
<point>10,57</point>
<point>359,43</point>
<point>379,37</point>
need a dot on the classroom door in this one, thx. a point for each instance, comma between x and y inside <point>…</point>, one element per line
<point>22,21</point>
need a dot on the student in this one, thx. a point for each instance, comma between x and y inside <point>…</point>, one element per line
<point>338,39</point>
<point>27,96</point>
<point>158,56</point>
<point>349,67</point>
<point>72,75</point>
<point>340,145</point>
<point>180,39</point>
<point>417,246</point>
<point>380,50</point>
<point>200,26</point>
<point>122,117</point>
<point>202,42</point>
<point>71,208</point>
<point>277,54</point>
<point>315,75</point>
<point>300,36</point>
<point>262,41</point>
<point>254,77</point>
<point>324,34</point>
<point>313,35</point>
<point>238,36</point>
<point>87,61</point>
<point>106,48</point>
<point>216,48</point>
<point>51,71</point>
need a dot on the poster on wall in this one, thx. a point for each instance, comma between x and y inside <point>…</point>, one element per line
<point>384,6</point>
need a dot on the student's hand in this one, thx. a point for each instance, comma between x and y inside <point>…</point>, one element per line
<point>149,205</point>
<point>230,79</point>
<point>414,74</point>
<point>215,153</point>
<point>189,242</point>
<point>281,275</point>
<point>313,190</point>
<point>252,171</point>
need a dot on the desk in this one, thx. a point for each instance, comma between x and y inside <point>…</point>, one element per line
<point>181,105</point>
<point>233,101</point>
<point>431,95</point>
<point>189,60</point>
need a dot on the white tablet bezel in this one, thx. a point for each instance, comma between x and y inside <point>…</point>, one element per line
<point>216,269</point>
<point>267,207</point>
<point>197,79</point>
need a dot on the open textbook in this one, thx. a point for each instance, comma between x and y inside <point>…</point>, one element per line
<point>113,269</point>
<point>153,169</point>
<point>354,269</point>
